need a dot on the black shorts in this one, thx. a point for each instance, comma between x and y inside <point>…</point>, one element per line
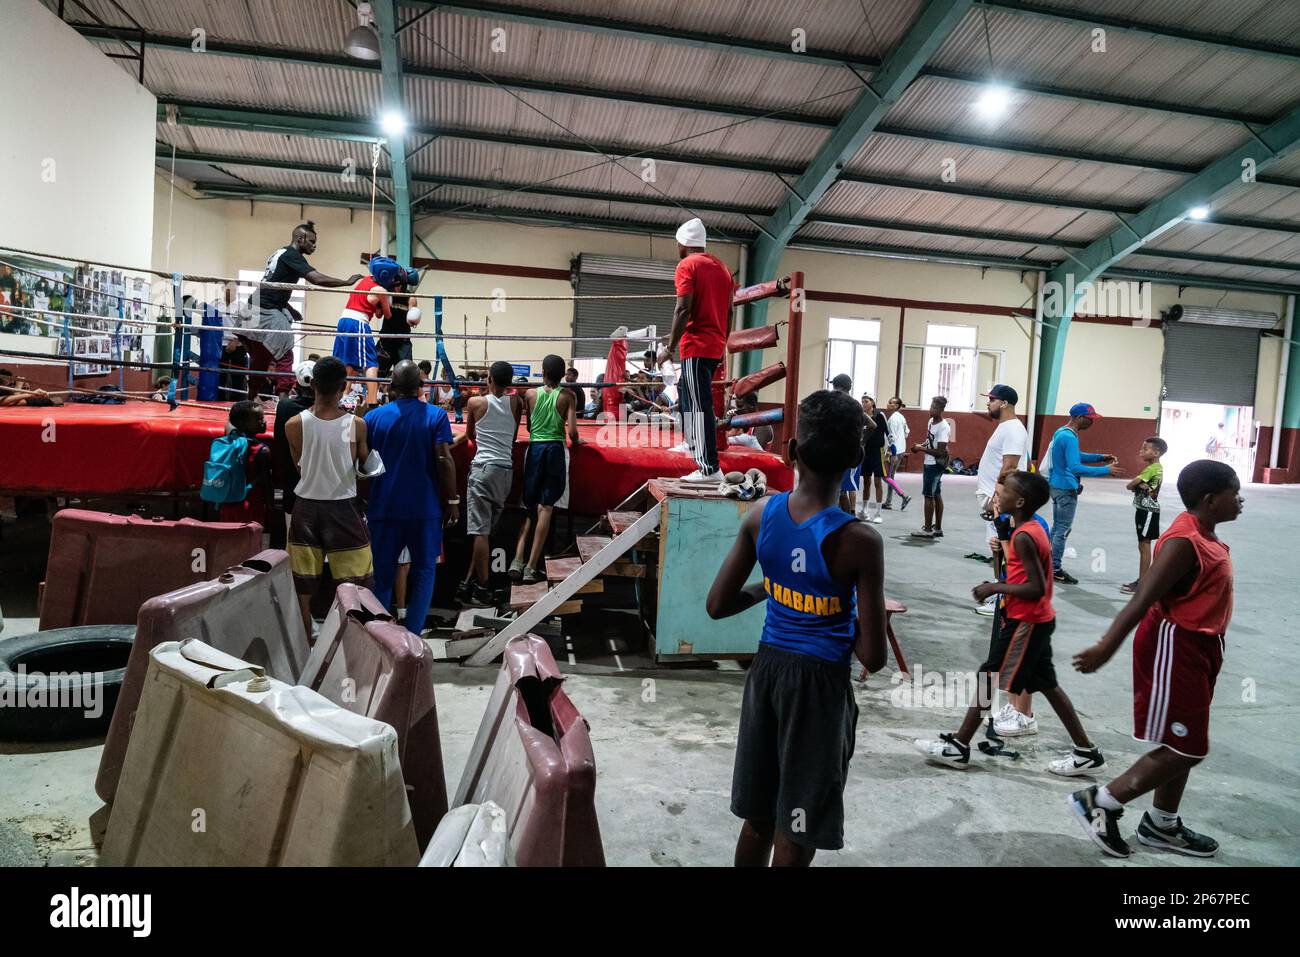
<point>873,462</point>
<point>1148,524</point>
<point>392,350</point>
<point>798,720</point>
<point>1021,656</point>
<point>545,474</point>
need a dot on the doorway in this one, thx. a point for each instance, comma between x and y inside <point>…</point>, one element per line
<point>1199,430</point>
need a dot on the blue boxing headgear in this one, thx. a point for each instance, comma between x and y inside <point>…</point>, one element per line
<point>412,278</point>
<point>385,271</point>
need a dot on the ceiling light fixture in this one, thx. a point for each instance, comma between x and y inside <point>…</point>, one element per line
<point>393,123</point>
<point>993,102</point>
<point>1198,212</point>
<point>363,42</point>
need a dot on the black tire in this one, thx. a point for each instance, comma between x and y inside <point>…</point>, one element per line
<point>93,656</point>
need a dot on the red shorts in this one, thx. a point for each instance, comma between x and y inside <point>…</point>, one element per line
<point>1173,684</point>
<point>261,360</point>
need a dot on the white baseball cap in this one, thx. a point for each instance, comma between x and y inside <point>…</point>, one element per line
<point>692,233</point>
<point>302,372</point>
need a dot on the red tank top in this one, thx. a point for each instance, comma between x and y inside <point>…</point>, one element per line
<point>359,302</point>
<point>1019,608</point>
<point>1207,606</point>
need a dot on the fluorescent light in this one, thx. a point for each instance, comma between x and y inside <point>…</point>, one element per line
<point>1198,212</point>
<point>393,123</point>
<point>993,102</point>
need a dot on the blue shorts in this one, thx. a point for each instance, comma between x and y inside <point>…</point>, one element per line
<point>850,481</point>
<point>545,474</point>
<point>355,351</point>
<point>931,476</point>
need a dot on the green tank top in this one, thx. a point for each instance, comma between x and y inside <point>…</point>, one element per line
<point>544,424</point>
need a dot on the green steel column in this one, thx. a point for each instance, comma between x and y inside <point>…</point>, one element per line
<point>395,101</point>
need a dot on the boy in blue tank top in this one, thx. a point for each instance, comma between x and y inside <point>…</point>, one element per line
<point>823,581</point>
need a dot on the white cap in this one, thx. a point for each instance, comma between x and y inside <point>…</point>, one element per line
<point>691,233</point>
<point>302,372</point>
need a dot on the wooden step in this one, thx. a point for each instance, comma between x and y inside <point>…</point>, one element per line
<point>619,522</point>
<point>589,545</point>
<point>523,597</point>
<point>558,569</point>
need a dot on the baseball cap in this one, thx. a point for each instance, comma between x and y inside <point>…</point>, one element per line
<point>842,382</point>
<point>1084,409</point>
<point>302,372</point>
<point>1003,392</point>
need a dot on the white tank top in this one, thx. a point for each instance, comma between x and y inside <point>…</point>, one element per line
<point>328,465</point>
<point>495,432</point>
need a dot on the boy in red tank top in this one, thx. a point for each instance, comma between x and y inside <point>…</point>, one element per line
<point>1181,611</point>
<point>1020,656</point>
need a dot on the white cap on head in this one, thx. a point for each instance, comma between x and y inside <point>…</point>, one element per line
<point>691,233</point>
<point>302,372</point>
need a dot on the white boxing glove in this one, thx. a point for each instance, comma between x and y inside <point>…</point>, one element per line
<point>413,317</point>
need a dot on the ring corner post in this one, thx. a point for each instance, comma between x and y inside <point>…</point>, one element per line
<point>178,318</point>
<point>792,350</point>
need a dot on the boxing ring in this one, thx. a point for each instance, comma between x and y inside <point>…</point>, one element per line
<point>147,448</point>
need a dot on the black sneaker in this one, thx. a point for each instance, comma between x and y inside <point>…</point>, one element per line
<point>907,500</point>
<point>938,533</point>
<point>887,506</point>
<point>1129,588</point>
<point>481,597</point>
<point>1064,577</point>
<point>465,592</point>
<point>1099,823</point>
<point>1179,838</point>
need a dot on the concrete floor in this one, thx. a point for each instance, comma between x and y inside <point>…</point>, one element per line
<point>665,765</point>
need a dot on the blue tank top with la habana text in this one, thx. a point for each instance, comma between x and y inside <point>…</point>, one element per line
<point>808,612</point>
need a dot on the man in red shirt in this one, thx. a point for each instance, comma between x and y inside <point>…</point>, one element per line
<point>701,320</point>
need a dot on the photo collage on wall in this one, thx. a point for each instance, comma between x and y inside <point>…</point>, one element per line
<point>36,296</point>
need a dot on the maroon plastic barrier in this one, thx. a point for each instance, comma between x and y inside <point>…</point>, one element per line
<point>362,661</point>
<point>250,611</point>
<point>102,567</point>
<point>533,757</point>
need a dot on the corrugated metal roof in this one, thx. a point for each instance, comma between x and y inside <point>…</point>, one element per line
<point>1183,267</point>
<point>932,104</point>
<point>1133,64</point>
<point>1028,49</point>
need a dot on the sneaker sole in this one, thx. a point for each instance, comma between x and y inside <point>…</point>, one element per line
<point>1017,733</point>
<point>1075,772</point>
<point>1173,848</point>
<point>982,613</point>
<point>944,762</point>
<point>1078,815</point>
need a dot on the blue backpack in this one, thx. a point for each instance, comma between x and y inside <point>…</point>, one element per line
<point>224,478</point>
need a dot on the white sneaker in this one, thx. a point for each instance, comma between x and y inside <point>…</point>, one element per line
<point>987,608</point>
<point>703,478</point>
<point>878,520</point>
<point>683,447</point>
<point>1078,761</point>
<point>1015,725</point>
<point>1003,713</point>
<point>947,751</point>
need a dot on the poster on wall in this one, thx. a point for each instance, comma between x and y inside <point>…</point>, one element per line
<point>38,295</point>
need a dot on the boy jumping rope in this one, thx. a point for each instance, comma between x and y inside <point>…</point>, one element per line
<point>1181,611</point>
<point>823,581</point>
<point>1021,654</point>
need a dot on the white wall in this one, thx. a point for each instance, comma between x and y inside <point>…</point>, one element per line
<point>1115,367</point>
<point>76,156</point>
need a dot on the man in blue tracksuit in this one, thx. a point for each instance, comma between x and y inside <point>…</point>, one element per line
<point>1068,466</point>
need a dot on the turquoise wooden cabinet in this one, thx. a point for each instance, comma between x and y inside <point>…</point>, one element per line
<point>695,534</point>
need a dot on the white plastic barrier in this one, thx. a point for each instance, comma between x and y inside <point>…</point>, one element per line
<point>229,767</point>
<point>472,835</point>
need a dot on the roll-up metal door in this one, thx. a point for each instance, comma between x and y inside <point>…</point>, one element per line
<point>617,276</point>
<point>1210,364</point>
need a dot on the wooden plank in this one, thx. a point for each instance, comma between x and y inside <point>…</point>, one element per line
<point>620,522</point>
<point>525,596</point>
<point>589,545</point>
<point>568,608</point>
<point>558,569</point>
<point>625,570</point>
<point>466,620</point>
<point>454,649</point>
<point>588,571</point>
